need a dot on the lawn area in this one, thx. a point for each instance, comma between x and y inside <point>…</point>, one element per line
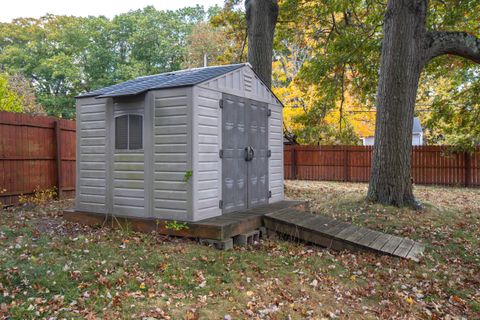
<point>52,268</point>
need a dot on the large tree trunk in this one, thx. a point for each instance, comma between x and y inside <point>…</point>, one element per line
<point>405,50</point>
<point>261,19</point>
<point>400,68</point>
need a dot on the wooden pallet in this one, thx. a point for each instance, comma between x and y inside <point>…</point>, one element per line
<point>331,233</point>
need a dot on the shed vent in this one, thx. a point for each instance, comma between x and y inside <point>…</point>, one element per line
<point>247,79</point>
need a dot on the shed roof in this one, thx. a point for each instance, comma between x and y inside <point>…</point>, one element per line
<point>173,79</point>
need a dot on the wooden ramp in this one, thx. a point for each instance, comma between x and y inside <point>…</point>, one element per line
<point>330,233</point>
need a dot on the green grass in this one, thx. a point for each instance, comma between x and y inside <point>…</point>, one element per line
<point>64,270</point>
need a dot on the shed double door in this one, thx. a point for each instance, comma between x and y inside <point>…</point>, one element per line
<point>244,153</point>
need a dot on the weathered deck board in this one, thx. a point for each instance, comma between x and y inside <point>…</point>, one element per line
<point>404,248</point>
<point>380,242</point>
<point>338,235</point>
<point>416,251</point>
<point>369,238</point>
<point>392,244</point>
<point>345,232</point>
<point>357,235</point>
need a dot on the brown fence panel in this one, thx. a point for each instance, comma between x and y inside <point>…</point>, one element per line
<point>475,168</point>
<point>39,152</point>
<point>35,154</point>
<point>430,164</point>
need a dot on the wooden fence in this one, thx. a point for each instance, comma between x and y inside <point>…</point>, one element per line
<point>39,152</point>
<point>430,164</point>
<point>35,152</point>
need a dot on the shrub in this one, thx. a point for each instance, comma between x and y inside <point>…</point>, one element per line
<point>40,197</point>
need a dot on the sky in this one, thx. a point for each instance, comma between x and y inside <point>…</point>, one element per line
<point>37,8</point>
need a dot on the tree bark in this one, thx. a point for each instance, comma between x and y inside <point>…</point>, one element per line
<point>406,48</point>
<point>400,67</point>
<point>261,19</point>
<point>458,43</point>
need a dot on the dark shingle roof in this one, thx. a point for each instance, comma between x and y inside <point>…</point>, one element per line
<point>164,80</point>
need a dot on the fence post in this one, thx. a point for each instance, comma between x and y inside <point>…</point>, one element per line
<point>294,163</point>
<point>468,169</point>
<point>346,177</point>
<point>58,158</point>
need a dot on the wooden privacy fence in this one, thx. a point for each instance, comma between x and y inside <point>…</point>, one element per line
<point>39,152</point>
<point>430,164</point>
<point>35,152</point>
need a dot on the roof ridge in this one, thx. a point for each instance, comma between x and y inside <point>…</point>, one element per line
<point>192,69</point>
<point>185,77</point>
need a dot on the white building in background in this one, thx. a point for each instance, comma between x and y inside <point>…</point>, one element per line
<point>417,135</point>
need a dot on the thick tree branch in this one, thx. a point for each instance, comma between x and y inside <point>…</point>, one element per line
<point>457,43</point>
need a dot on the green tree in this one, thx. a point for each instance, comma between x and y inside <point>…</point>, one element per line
<point>204,42</point>
<point>231,20</point>
<point>63,56</point>
<point>44,51</point>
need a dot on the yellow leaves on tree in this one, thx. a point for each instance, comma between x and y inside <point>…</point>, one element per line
<point>9,100</point>
<point>17,95</point>
<point>298,101</point>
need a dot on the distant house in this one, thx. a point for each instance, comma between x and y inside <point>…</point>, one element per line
<point>417,135</point>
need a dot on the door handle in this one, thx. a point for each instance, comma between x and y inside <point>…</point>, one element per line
<point>249,153</point>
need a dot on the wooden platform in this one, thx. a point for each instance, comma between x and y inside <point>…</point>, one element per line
<point>286,217</point>
<point>217,228</point>
<point>330,233</point>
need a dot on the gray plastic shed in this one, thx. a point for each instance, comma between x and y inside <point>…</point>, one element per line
<point>185,145</point>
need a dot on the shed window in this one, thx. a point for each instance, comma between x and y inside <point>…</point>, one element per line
<point>129,132</point>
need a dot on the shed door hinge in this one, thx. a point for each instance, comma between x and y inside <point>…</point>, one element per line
<point>220,103</point>
<point>220,153</point>
<point>220,204</point>
<point>269,153</point>
<point>269,112</point>
<point>269,194</point>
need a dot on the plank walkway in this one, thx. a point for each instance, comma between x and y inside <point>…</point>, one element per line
<point>331,233</point>
<point>284,217</point>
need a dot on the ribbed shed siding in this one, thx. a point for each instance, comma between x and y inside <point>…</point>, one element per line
<point>91,163</point>
<point>275,162</point>
<point>172,153</point>
<point>206,145</point>
<point>129,184</point>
